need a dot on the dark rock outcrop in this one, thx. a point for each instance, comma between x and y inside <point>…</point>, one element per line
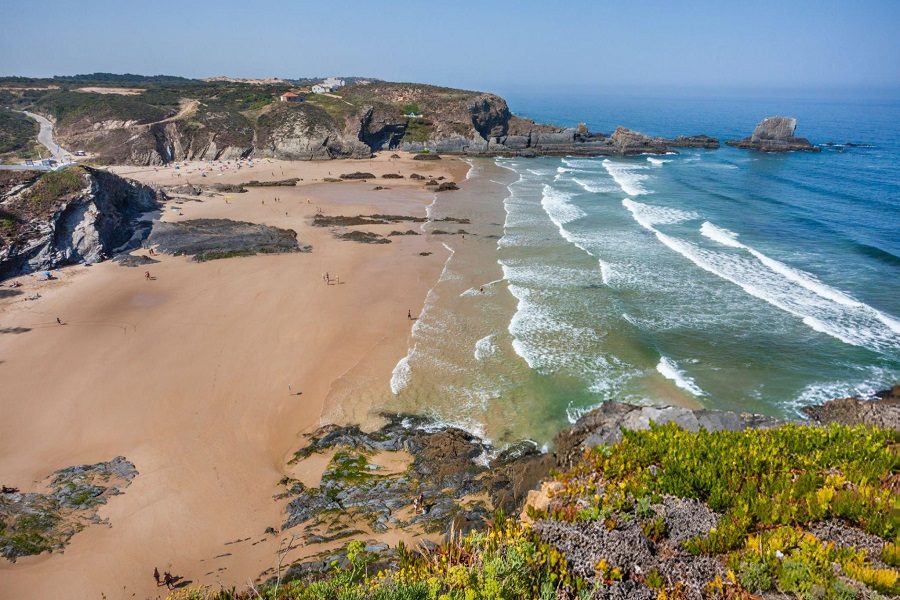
<point>96,216</point>
<point>36,522</point>
<point>277,183</point>
<point>363,237</point>
<point>207,239</point>
<point>882,412</point>
<point>775,134</point>
<point>357,175</point>
<point>321,220</point>
<point>448,464</point>
<point>694,141</point>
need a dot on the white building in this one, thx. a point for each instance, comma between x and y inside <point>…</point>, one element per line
<point>328,86</point>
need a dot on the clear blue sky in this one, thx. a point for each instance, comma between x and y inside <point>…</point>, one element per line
<point>486,44</point>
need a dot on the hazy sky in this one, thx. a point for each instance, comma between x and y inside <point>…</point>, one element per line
<point>487,45</point>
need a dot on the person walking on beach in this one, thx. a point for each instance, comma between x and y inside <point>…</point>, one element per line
<point>409,314</point>
<point>156,576</point>
<point>168,579</point>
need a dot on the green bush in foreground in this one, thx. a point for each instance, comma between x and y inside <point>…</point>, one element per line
<point>768,485</point>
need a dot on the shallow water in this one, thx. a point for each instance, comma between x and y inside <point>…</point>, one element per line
<point>727,278</point>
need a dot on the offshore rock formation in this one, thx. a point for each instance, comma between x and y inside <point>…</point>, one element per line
<point>775,134</point>
<point>530,139</point>
<point>65,217</point>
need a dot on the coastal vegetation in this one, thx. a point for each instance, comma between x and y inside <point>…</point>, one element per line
<point>17,133</point>
<point>804,511</point>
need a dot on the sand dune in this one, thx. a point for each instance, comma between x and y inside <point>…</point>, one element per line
<point>188,376</point>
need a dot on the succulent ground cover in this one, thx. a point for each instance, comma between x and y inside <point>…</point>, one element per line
<point>666,514</point>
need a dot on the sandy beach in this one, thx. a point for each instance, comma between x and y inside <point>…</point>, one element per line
<point>206,376</point>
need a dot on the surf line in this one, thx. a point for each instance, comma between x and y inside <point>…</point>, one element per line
<point>402,372</point>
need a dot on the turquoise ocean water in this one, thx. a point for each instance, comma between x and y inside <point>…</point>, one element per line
<point>728,279</point>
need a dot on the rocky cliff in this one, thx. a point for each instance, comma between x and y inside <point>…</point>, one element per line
<point>775,134</point>
<point>80,214</point>
<point>225,119</point>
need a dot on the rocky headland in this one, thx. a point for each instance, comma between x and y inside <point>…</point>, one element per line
<point>775,134</point>
<point>179,119</point>
<point>77,215</point>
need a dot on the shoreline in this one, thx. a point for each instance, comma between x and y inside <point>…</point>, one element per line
<point>194,377</point>
<point>210,494</point>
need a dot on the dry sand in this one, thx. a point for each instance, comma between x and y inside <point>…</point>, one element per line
<point>187,376</point>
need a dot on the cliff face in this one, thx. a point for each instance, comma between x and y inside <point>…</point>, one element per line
<point>66,217</point>
<point>304,132</point>
<point>222,120</point>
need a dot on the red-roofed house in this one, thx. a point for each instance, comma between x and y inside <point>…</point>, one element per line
<point>290,97</point>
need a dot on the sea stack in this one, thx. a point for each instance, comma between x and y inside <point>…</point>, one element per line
<point>775,134</point>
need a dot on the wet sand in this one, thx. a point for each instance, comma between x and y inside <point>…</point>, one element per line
<point>187,375</point>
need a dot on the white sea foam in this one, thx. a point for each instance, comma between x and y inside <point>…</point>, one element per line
<point>573,413</point>
<point>582,163</point>
<point>801,278</point>
<point>657,162</point>
<point>630,319</point>
<point>472,169</point>
<point>858,325</point>
<point>606,272</point>
<point>558,206</point>
<point>595,187</point>
<point>429,210</point>
<point>817,393</point>
<point>723,236</point>
<point>628,176</point>
<point>477,291</point>
<point>401,375</point>
<point>485,347</point>
<point>470,425</point>
<point>648,215</point>
<point>669,369</point>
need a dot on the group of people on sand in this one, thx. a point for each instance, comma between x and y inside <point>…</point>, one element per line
<point>167,579</point>
<point>328,279</point>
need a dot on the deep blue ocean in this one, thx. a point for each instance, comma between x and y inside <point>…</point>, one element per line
<point>722,278</point>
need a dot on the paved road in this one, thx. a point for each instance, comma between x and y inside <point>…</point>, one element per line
<point>45,137</point>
